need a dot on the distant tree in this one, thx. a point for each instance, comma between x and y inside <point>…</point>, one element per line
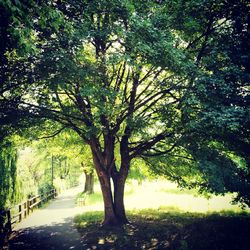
<point>89,179</point>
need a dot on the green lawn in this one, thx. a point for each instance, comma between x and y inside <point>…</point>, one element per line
<point>162,193</point>
<point>167,228</point>
<point>96,197</point>
<point>164,222</point>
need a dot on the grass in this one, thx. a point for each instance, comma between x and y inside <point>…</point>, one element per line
<point>179,191</point>
<point>159,220</point>
<point>96,198</point>
<point>167,228</point>
<point>90,199</point>
<point>162,193</point>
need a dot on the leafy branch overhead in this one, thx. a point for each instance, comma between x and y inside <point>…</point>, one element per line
<point>157,80</point>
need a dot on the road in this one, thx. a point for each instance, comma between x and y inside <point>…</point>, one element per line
<point>50,227</point>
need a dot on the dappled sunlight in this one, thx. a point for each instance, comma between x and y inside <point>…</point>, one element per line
<point>164,229</point>
<point>161,223</point>
<point>56,236</point>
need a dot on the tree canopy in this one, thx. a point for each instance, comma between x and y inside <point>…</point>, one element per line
<point>165,81</point>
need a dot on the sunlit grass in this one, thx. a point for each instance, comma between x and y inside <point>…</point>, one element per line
<point>165,217</point>
<point>96,197</point>
<point>88,218</point>
<point>179,191</point>
<point>167,228</point>
<point>162,193</point>
<point>91,199</point>
<point>160,214</point>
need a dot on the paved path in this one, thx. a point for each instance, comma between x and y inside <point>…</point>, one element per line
<point>51,227</point>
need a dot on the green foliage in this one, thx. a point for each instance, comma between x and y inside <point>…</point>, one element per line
<point>216,112</point>
<point>45,188</point>
<point>8,158</point>
<point>211,169</point>
<point>139,170</point>
<point>212,152</point>
<point>35,162</point>
<point>167,79</point>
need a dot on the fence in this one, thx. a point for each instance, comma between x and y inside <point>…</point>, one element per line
<point>18,212</point>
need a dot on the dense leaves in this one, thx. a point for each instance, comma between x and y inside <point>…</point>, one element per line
<point>165,81</point>
<point>216,109</point>
<point>8,157</point>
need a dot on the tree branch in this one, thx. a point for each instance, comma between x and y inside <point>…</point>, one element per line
<point>52,135</point>
<point>144,146</point>
<point>159,152</point>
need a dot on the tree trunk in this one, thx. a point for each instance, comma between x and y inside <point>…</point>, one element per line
<point>110,218</point>
<point>119,186</point>
<point>89,182</point>
<point>114,209</point>
<point>104,162</point>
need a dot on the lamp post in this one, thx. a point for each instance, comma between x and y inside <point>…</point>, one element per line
<point>52,170</point>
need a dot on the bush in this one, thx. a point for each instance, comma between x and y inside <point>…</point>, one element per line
<point>45,188</point>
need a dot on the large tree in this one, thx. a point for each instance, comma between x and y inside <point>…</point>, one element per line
<point>113,78</point>
<point>120,74</point>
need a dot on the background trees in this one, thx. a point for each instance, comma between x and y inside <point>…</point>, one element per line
<point>216,110</point>
<point>8,157</point>
<point>30,168</point>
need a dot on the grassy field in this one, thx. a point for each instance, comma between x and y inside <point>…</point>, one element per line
<point>163,193</point>
<point>170,219</point>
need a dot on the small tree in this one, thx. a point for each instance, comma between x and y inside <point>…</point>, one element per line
<point>89,180</point>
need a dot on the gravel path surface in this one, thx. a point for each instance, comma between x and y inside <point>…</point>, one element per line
<point>50,227</point>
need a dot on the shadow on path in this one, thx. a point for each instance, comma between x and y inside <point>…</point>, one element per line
<point>51,227</point>
<point>55,236</point>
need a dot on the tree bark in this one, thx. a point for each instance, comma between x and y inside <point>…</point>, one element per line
<point>110,218</point>
<point>89,182</point>
<point>114,210</point>
<point>119,187</point>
